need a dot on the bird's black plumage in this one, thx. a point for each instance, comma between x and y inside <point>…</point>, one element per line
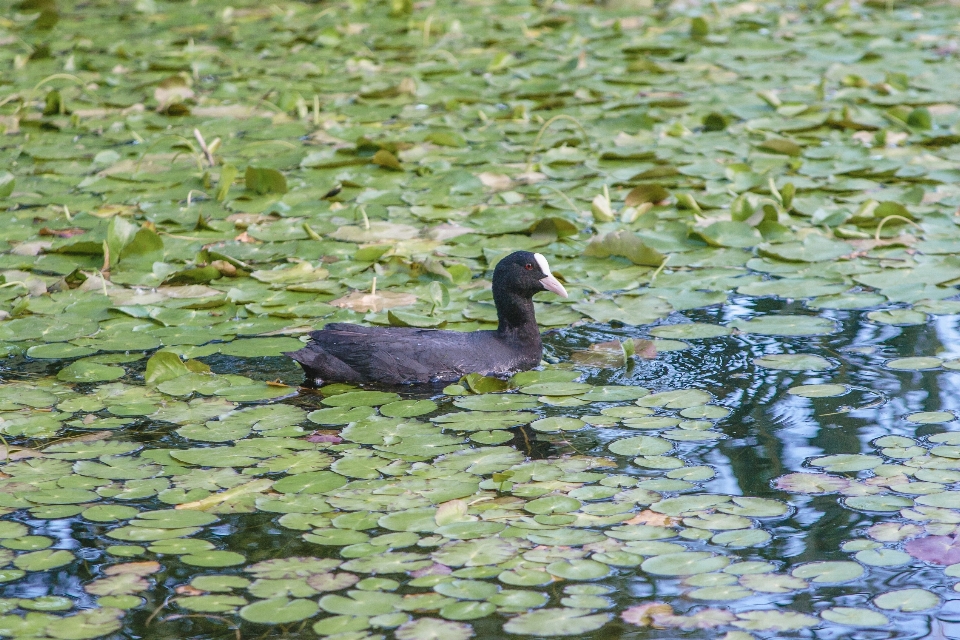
<point>392,355</point>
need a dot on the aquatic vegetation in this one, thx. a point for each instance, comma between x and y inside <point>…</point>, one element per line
<point>189,189</point>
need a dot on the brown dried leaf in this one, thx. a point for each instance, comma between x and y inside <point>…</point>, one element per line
<point>171,90</point>
<point>495,181</point>
<point>703,619</point>
<point>61,233</point>
<point>646,349</point>
<point>653,518</point>
<point>642,614</point>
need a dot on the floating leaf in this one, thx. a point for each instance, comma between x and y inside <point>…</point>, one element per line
<point>847,462</point>
<point>689,331</point>
<point>818,390</point>
<point>90,372</point>
<point>433,629</point>
<point>794,362</point>
<point>907,600</point>
<point>786,325</point>
<point>279,611</point>
<point>684,564</point>
<point>775,621</point>
<point>835,572</point>
<point>556,622</point>
<point>935,549</point>
<point>855,617</point>
<point>931,417</point>
<point>914,364</point>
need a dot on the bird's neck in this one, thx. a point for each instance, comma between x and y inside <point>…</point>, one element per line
<point>516,318</point>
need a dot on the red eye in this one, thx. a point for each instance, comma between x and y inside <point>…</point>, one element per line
<point>528,267</point>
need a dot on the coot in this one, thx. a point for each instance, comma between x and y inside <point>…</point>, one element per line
<point>343,352</point>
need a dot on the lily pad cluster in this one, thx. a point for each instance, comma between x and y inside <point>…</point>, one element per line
<point>187,180</point>
<point>909,477</point>
<point>190,188</point>
<point>414,517</point>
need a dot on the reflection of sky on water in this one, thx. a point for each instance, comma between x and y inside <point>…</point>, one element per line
<point>771,433</point>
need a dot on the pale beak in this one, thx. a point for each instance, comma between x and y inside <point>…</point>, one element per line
<point>552,284</point>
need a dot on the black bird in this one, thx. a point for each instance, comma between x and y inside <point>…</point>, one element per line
<point>343,352</point>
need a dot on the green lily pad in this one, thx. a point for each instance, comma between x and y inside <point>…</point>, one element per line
<point>254,392</point>
<point>43,560</point>
<point>58,351</point>
<point>786,325</point>
<point>495,402</point>
<point>855,617</point>
<point>552,504</point>
<point>92,623</point>
<point>213,603</point>
<point>614,393</point>
<point>279,611</point>
<point>360,399</point>
<point>914,364</point>
<point>794,362</point>
<point>931,417</point>
<point>883,557</point>
<point>679,399</point>
<point>832,572</point>
<point>557,423</point>
<point>556,389</point>
<point>467,589</point>
<point>898,317</point>
<point>686,563</point>
<point>641,445</point>
<point>408,408</point>
<point>340,415</point>
<point>578,569</point>
<point>818,390</point>
<point>847,462</point>
<point>467,610</point>
<point>433,629</point>
<point>260,347</point>
<point>556,622</point>
<point>90,372</point>
<point>213,559</point>
<point>690,331</point>
<point>907,600</point>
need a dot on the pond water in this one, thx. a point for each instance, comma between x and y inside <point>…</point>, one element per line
<point>609,512</point>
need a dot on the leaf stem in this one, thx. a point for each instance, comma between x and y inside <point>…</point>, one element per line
<point>546,125</point>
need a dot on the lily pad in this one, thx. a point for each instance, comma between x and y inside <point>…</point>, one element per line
<point>786,325</point>
<point>855,617</point>
<point>832,572</point>
<point>794,362</point>
<point>686,563</point>
<point>90,372</point>
<point>907,600</point>
<point>818,390</point>
<point>690,331</point>
<point>279,611</point>
<point>556,622</point>
<point>914,364</point>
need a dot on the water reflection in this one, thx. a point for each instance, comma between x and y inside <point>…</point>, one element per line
<point>768,432</point>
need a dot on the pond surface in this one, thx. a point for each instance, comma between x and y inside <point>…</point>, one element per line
<point>610,512</point>
<point>747,424</point>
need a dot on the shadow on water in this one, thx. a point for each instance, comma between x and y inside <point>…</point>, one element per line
<point>768,433</point>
